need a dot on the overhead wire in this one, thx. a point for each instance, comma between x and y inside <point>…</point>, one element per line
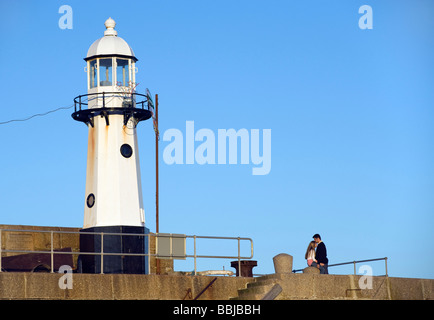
<point>36,115</point>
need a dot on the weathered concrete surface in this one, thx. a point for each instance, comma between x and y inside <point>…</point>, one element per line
<point>311,270</point>
<point>25,285</point>
<point>339,287</point>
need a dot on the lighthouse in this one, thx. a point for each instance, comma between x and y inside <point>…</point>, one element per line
<point>113,202</point>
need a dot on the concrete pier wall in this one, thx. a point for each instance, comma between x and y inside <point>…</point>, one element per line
<point>27,285</point>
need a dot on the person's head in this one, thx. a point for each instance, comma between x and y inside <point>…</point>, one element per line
<point>311,246</point>
<point>317,238</point>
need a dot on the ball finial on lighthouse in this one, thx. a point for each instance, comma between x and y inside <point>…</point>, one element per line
<point>110,25</point>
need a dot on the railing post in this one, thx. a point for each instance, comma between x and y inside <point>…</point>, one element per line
<point>149,252</point>
<point>195,266</point>
<point>239,259</point>
<point>385,261</point>
<point>102,253</point>
<point>0,250</point>
<point>52,249</point>
<point>103,99</point>
<point>170,246</point>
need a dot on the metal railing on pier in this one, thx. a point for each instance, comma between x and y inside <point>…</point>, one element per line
<point>353,263</point>
<point>170,254</point>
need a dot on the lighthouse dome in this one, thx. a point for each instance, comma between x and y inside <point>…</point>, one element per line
<point>110,44</point>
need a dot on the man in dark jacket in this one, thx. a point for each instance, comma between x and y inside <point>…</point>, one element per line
<point>321,255</point>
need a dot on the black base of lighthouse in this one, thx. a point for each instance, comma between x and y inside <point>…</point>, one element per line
<point>121,240</point>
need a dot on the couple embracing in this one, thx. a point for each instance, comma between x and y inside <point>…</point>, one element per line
<point>317,258</point>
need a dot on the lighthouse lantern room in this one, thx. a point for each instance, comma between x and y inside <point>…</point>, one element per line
<point>113,198</point>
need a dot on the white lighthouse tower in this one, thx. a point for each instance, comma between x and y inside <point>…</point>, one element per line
<point>112,109</point>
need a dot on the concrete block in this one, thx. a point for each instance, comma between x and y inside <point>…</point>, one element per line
<point>91,286</point>
<point>313,270</point>
<point>283,263</point>
<point>225,287</point>
<point>407,288</point>
<point>296,286</point>
<point>43,286</point>
<point>331,287</point>
<point>12,285</point>
<point>172,287</point>
<point>131,287</point>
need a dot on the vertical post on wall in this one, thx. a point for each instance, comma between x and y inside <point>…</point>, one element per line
<point>52,251</point>
<point>195,265</point>
<point>102,252</point>
<point>156,164</point>
<point>0,250</point>
<point>385,261</point>
<point>239,258</point>
<point>157,227</point>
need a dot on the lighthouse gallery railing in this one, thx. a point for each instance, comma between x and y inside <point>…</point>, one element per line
<point>101,105</point>
<point>82,101</point>
<point>195,256</point>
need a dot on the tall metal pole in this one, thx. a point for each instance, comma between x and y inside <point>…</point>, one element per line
<point>156,165</point>
<point>156,178</point>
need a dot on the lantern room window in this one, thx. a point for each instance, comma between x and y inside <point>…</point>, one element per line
<point>122,72</point>
<point>105,72</point>
<point>92,74</point>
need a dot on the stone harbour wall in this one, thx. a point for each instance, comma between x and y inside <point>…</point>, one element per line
<point>29,285</point>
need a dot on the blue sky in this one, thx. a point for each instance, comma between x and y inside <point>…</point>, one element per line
<point>351,113</point>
